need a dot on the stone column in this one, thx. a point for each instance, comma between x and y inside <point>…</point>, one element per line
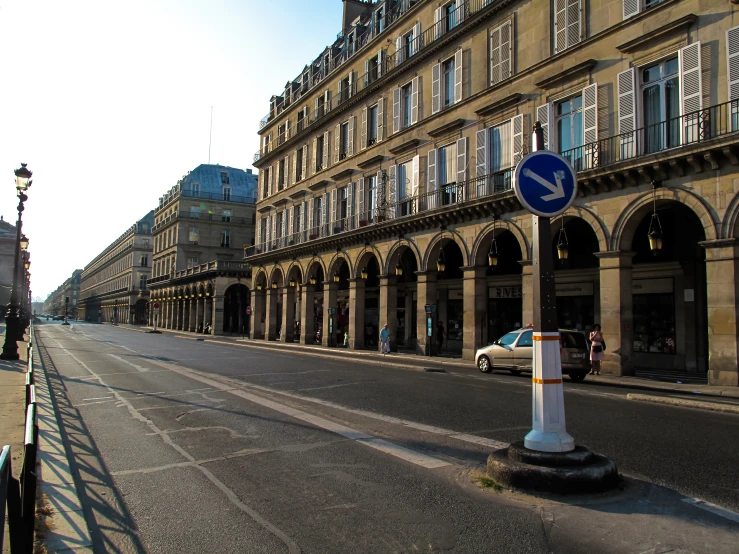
<point>199,309</point>
<point>193,323</point>
<point>208,311</point>
<point>176,313</point>
<point>217,322</point>
<point>330,296</point>
<point>722,274</point>
<point>170,314</point>
<point>356,313</point>
<point>288,314</point>
<point>616,315</point>
<point>475,304</point>
<point>527,287</point>
<point>185,314</point>
<point>426,294</point>
<point>257,313</point>
<point>307,318</point>
<point>388,310</point>
<point>270,320</point>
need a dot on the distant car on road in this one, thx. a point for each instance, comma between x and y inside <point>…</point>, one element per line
<point>514,352</point>
<point>57,318</point>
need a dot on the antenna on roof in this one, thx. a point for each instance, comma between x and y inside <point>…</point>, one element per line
<point>210,135</point>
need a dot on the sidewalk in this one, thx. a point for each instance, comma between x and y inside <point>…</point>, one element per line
<point>413,361</point>
<point>13,404</point>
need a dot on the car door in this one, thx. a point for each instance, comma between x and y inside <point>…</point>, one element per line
<point>523,351</point>
<point>501,352</point>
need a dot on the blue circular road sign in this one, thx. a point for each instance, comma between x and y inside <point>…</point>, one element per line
<point>545,183</point>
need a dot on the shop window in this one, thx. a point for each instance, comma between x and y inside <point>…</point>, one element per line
<point>455,319</point>
<point>654,323</point>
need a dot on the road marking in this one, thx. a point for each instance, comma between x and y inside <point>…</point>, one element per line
<point>333,386</point>
<point>717,510</point>
<point>141,369</point>
<point>292,545</point>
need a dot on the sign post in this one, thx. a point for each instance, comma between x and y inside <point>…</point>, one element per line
<point>546,185</point>
<point>156,314</point>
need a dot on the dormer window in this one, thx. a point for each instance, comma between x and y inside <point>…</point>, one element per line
<point>227,193</point>
<point>195,188</point>
<point>224,178</point>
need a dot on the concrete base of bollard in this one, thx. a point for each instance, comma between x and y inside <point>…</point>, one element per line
<point>579,471</point>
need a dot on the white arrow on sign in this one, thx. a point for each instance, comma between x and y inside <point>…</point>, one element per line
<point>557,191</point>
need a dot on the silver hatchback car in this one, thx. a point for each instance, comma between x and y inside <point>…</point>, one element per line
<point>514,352</point>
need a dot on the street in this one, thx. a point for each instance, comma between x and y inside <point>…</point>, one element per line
<point>192,446</point>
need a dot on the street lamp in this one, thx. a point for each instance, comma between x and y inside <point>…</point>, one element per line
<point>655,226</point>
<point>563,251</point>
<point>336,277</point>
<point>13,331</point>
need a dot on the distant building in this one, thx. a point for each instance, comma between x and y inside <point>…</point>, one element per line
<point>7,258</point>
<point>113,286</point>
<point>70,288</point>
<point>201,224</point>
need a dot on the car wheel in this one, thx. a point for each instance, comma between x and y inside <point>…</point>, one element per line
<point>515,371</point>
<point>484,365</point>
<point>577,377</point>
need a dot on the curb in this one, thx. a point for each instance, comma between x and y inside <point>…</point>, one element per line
<point>68,529</point>
<point>683,403</point>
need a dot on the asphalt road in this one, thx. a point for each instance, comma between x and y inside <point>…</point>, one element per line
<point>186,446</point>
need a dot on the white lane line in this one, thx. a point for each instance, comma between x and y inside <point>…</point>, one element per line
<point>333,386</point>
<point>97,398</point>
<point>140,368</point>
<point>292,546</point>
<point>717,510</point>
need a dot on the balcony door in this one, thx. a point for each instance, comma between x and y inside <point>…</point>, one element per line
<point>661,105</point>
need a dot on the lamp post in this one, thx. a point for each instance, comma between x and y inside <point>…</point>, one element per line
<point>66,310</point>
<point>13,328</point>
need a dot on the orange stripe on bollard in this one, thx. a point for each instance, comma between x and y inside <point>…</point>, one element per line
<point>546,381</point>
<point>546,337</point>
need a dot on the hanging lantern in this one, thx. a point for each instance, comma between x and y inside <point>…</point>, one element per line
<point>313,280</point>
<point>493,254</point>
<point>364,273</point>
<point>336,276</point>
<point>259,286</point>
<point>292,282</point>
<point>441,263</point>
<point>399,270</point>
<point>562,245</point>
<point>274,284</point>
<point>655,234</point>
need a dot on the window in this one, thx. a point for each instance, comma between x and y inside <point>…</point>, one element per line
<point>372,125</point>
<point>144,261</point>
<point>342,209</point>
<point>633,7</point>
<point>227,193</point>
<point>527,339</point>
<point>567,24</point>
<point>380,20</point>
<point>408,42</point>
<point>406,98</point>
<point>142,282</point>
<point>195,188</point>
<point>450,16</point>
<point>661,105</point>
<point>224,178</point>
<point>299,164</point>
<point>226,216</point>
<point>265,182</point>
<point>318,211</point>
<point>344,140</point>
<point>371,200</point>
<point>169,237</point>
<point>281,175</point>
<point>296,219</point>
<point>447,76</point>
<point>193,235</point>
<point>403,177</point>
<point>320,106</point>
<point>319,152</point>
<point>345,86</point>
<point>500,159</point>
<point>225,238</point>
<point>191,262</point>
<point>570,130</point>
<point>373,73</point>
<point>501,53</point>
<point>263,230</point>
<point>281,133</point>
<point>145,243</point>
<point>194,212</point>
<point>447,173</point>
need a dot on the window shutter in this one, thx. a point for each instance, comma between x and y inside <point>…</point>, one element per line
<point>396,110</point>
<point>337,142</point>
<point>285,222</point>
<point>350,205</point>
<point>363,132</point>
<point>416,38</point>
<point>590,123</point>
<point>271,179</point>
<point>316,161</point>
<point>295,167</point>
<point>481,154</point>
<point>518,133</point>
<point>274,227</point>
<point>461,11</point>
<point>560,25</point>
<point>392,188</point>
<point>258,240</point>
<point>627,112</point>
<point>436,88</point>
<point>341,81</point>
<point>317,108</point>
<point>304,165</point>
<point>380,62</point>
<point>415,181</point>
<point>360,204</point>
<point>380,119</point>
<point>380,194</point>
<point>414,101</point>
<point>458,76</point>
<point>333,210</point>
<point>543,116</point>
<point>732,72</point>
<point>631,7</point>
<point>461,168</point>
<point>506,51</point>
<point>327,101</point>
<point>326,149</point>
<point>691,90</point>
<point>324,211</point>
<point>351,84</point>
<point>366,72</point>
<point>438,23</point>
<point>291,223</point>
<point>574,24</point>
<point>268,231</point>
<point>431,174</point>
<point>350,148</point>
<point>310,215</point>
<point>303,216</point>
<point>495,76</point>
<point>398,51</point>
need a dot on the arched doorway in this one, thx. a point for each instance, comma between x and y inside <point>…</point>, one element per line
<point>236,300</point>
<point>669,297</point>
<point>448,260</point>
<point>337,303</point>
<point>140,312</point>
<point>291,305</point>
<point>258,318</point>
<point>368,295</point>
<point>574,248</point>
<point>403,265</point>
<point>311,324</point>
<point>274,305</point>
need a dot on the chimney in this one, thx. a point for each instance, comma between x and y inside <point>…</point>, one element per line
<point>352,10</point>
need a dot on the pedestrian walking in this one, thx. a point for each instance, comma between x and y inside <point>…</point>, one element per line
<point>385,339</point>
<point>440,334</point>
<point>597,346</point>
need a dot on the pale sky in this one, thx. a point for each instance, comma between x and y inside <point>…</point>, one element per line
<point>109,104</point>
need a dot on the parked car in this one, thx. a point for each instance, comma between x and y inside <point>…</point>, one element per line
<point>514,352</point>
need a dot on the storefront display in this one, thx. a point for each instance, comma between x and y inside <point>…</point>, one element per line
<point>654,316</point>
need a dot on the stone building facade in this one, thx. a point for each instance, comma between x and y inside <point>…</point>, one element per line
<point>8,246</point>
<point>55,302</point>
<point>113,286</point>
<point>394,149</point>
<point>200,228</point>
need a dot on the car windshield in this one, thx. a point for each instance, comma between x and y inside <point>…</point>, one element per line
<point>573,340</point>
<point>507,340</point>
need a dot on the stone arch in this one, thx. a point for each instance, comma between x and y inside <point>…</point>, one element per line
<point>631,216</point>
<point>277,274</point>
<point>295,271</point>
<point>480,248</point>
<point>364,257</point>
<point>311,265</point>
<point>587,215</point>
<point>335,262</point>
<point>397,249</point>
<point>729,228</point>
<point>260,278</point>
<point>432,250</point>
